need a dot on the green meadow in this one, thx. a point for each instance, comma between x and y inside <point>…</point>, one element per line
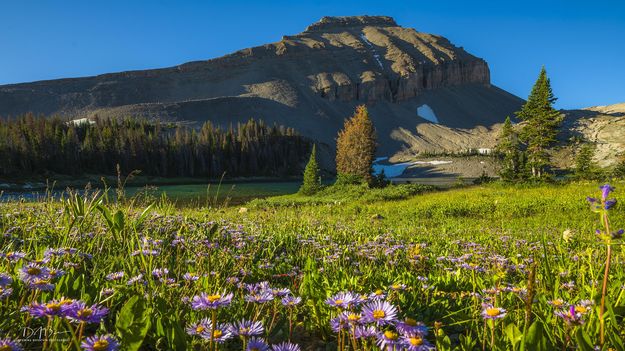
<point>494,266</point>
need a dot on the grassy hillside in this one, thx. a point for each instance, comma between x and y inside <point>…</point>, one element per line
<point>458,261</point>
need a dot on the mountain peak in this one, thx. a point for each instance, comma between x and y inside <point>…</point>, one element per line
<point>329,22</point>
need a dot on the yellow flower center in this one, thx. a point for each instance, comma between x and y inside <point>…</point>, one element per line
<point>390,335</point>
<point>353,317</point>
<point>85,313</point>
<point>493,312</point>
<point>254,349</point>
<point>100,345</point>
<point>54,306</point>
<point>217,334</point>
<point>377,314</point>
<point>410,322</point>
<point>581,309</point>
<point>213,298</point>
<point>338,302</point>
<point>5,348</point>
<point>395,286</point>
<point>378,292</point>
<point>199,329</point>
<point>33,271</point>
<point>415,341</point>
<point>557,303</point>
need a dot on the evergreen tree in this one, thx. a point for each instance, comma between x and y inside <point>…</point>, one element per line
<point>312,180</point>
<point>509,151</point>
<point>584,165</point>
<point>542,124</point>
<point>355,148</point>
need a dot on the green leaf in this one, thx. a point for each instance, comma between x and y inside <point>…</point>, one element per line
<point>133,323</point>
<point>535,339</point>
<point>583,340</point>
<point>514,335</point>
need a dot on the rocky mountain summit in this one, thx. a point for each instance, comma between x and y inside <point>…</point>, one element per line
<point>310,81</point>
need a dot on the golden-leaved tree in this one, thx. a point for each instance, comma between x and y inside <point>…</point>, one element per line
<point>355,148</point>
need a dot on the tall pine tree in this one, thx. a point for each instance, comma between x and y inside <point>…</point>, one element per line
<point>312,180</point>
<point>355,148</point>
<point>542,124</point>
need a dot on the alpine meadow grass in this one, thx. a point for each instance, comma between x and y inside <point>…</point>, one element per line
<point>490,267</point>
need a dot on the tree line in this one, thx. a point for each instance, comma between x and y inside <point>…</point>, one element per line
<point>31,145</point>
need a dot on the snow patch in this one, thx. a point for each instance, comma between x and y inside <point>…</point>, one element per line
<point>425,111</point>
<point>393,170</point>
<point>81,121</point>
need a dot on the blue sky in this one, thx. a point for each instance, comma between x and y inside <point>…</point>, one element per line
<point>581,43</point>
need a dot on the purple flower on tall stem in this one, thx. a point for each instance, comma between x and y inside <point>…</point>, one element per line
<point>570,316</point>
<point>362,332</point>
<point>78,311</point>
<point>379,312</point>
<point>41,284</point>
<point>5,292</point>
<point>605,191</point>
<point>9,345</point>
<point>214,301</point>
<point>100,343</point>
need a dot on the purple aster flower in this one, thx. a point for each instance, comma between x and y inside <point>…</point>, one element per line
<point>285,346</point>
<point>247,328</point>
<point>33,271</point>
<point>190,277</point>
<point>14,256</point>
<point>363,332</point>
<point>205,301</point>
<point>493,313</point>
<point>199,328</point>
<point>256,344</point>
<point>280,292</point>
<point>80,312</point>
<point>411,326</point>
<point>220,334</point>
<point>135,279</point>
<point>389,340</point>
<point>291,301</point>
<point>55,273</point>
<point>570,316</point>
<point>5,292</point>
<point>100,343</point>
<point>260,297</point>
<point>5,280</point>
<point>115,275</point>
<point>160,273</point>
<point>107,292</point>
<point>40,284</point>
<point>342,300</point>
<point>416,342</point>
<point>9,345</point>
<point>49,309</point>
<point>397,287</point>
<point>379,312</point>
<point>377,295</point>
<point>337,324</point>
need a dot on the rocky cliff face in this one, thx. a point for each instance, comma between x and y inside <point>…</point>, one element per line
<point>310,81</point>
